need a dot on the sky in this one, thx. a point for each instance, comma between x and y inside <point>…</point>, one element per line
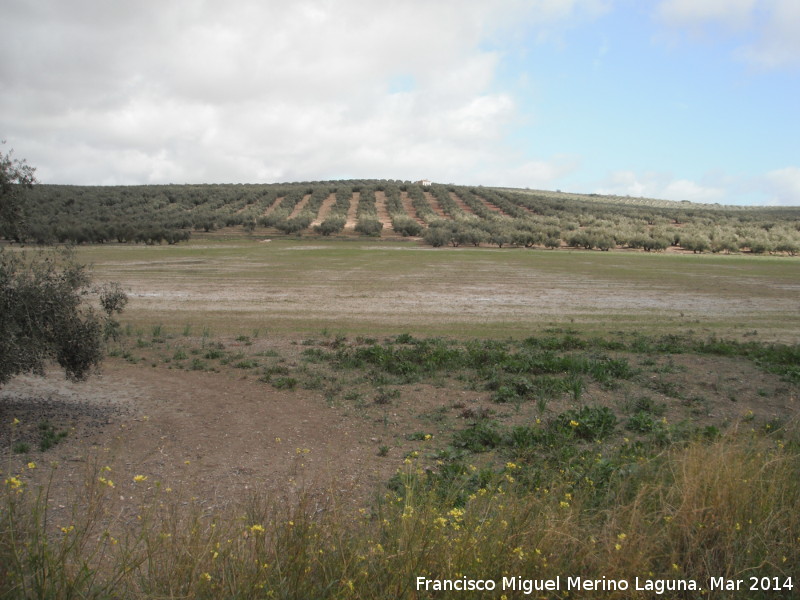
<point>675,99</point>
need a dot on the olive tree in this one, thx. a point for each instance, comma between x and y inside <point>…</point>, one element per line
<point>44,315</point>
<point>15,176</point>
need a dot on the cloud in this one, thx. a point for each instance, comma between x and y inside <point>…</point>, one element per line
<point>692,13</point>
<point>766,30</point>
<point>783,186</point>
<point>778,42</point>
<point>659,185</point>
<point>252,91</point>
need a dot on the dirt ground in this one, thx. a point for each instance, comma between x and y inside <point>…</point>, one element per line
<point>203,435</point>
<point>220,436</point>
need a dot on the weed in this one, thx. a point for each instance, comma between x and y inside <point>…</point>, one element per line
<point>588,422</point>
<point>198,365</point>
<point>246,364</point>
<point>385,396</point>
<point>668,388</point>
<point>283,383</point>
<point>479,437</point>
<point>49,436</point>
<point>354,396</point>
<point>20,448</point>
<point>641,422</point>
<point>214,354</point>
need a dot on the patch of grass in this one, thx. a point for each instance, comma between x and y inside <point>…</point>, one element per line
<point>386,396</point>
<point>283,383</point>
<point>588,422</point>
<point>20,448</point>
<point>246,363</point>
<point>49,436</point>
<point>198,365</point>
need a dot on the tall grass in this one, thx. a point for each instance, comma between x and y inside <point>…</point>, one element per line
<point>725,508</point>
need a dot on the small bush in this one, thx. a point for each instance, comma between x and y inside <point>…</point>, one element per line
<point>588,422</point>
<point>480,437</point>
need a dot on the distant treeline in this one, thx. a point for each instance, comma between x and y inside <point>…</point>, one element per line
<point>440,214</point>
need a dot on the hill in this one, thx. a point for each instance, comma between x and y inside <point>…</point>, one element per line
<point>438,214</point>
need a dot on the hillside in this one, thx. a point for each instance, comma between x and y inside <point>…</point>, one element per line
<point>438,214</point>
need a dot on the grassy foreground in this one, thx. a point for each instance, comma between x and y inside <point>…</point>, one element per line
<point>725,508</point>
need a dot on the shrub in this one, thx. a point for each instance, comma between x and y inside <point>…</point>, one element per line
<point>371,227</point>
<point>588,422</point>
<point>406,226</point>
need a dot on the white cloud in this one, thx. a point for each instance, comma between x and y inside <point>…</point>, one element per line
<point>767,30</point>
<point>783,186</point>
<point>260,91</point>
<point>732,13</point>
<point>659,185</point>
<point>778,42</point>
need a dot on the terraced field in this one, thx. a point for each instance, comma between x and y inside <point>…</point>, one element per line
<point>440,215</point>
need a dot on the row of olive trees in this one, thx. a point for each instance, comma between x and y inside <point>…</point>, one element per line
<point>402,223</point>
<point>469,215</point>
<point>367,214</point>
<point>337,217</point>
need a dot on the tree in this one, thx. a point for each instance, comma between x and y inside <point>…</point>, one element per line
<point>15,176</point>
<point>43,313</point>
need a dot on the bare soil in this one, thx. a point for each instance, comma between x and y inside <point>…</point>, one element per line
<point>220,436</point>
<point>300,206</point>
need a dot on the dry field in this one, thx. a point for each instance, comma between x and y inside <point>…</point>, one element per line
<point>291,286</point>
<point>225,382</point>
<point>152,413</point>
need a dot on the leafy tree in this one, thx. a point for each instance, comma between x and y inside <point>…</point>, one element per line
<point>15,176</point>
<point>43,313</point>
<point>369,226</point>
<point>437,236</point>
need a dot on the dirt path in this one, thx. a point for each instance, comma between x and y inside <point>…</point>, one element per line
<point>408,206</point>
<point>435,206</point>
<point>324,209</point>
<point>204,434</point>
<point>383,213</point>
<point>300,206</point>
<point>352,212</point>
<point>492,207</point>
<point>271,208</point>
<point>461,204</point>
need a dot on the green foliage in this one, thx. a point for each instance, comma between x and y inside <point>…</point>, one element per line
<point>406,226</point>
<point>330,226</point>
<point>472,216</point>
<point>49,436</point>
<point>43,316</point>
<point>15,177</point>
<point>479,437</point>
<point>370,227</point>
<point>588,422</point>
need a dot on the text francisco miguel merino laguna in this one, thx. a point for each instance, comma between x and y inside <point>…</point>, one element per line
<point>556,584</point>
